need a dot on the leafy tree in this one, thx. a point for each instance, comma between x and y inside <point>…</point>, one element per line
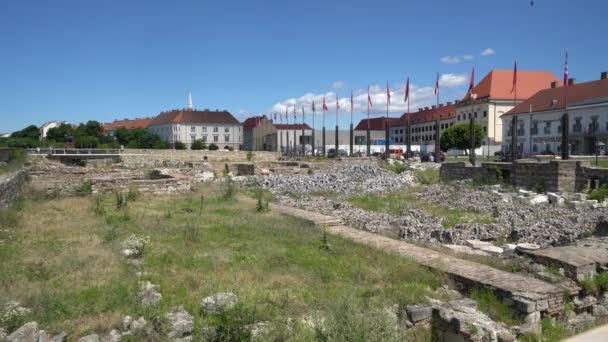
<point>213,147</point>
<point>86,141</point>
<point>179,145</point>
<point>198,144</point>
<point>60,133</point>
<point>31,132</point>
<point>458,137</point>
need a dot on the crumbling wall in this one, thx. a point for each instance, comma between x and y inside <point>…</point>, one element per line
<point>11,186</point>
<point>182,158</point>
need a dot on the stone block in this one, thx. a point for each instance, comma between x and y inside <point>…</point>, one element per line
<point>418,313</point>
<point>493,250</point>
<point>538,199</point>
<point>524,305</point>
<point>478,244</point>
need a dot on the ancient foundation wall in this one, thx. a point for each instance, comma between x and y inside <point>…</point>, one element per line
<point>554,175</point>
<point>11,186</point>
<point>181,158</point>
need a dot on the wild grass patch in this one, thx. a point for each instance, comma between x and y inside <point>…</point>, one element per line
<point>494,307</point>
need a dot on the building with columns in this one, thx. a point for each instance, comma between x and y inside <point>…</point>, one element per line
<point>539,119</point>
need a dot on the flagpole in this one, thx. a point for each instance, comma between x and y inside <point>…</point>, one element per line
<point>386,132</point>
<point>514,147</point>
<point>367,140</point>
<point>313,128</point>
<point>303,142</point>
<point>337,111</point>
<point>351,125</point>
<point>566,119</point>
<point>409,130</point>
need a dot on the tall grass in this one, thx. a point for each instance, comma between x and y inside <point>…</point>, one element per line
<point>494,307</point>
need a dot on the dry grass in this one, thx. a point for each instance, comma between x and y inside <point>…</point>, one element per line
<point>64,262</point>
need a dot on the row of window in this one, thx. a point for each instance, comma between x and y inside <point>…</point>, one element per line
<point>468,116</point>
<point>215,129</point>
<point>577,127</point>
<point>215,138</point>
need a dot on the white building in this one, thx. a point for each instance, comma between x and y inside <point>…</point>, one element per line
<point>186,125</point>
<point>423,123</point>
<point>44,129</point>
<point>539,119</point>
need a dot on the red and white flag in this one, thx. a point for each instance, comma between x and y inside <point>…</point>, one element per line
<point>388,95</point>
<point>436,91</point>
<point>352,104</point>
<point>324,104</point>
<point>337,103</point>
<point>472,83</point>
<point>407,90</point>
<point>369,98</point>
<point>514,77</point>
<point>566,81</point>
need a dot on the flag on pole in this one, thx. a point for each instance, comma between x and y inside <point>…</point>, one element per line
<point>352,105</point>
<point>472,83</point>
<point>287,114</point>
<point>281,117</point>
<point>369,98</point>
<point>324,104</point>
<point>436,91</point>
<point>407,90</point>
<point>514,77</point>
<point>303,112</point>
<point>388,95</point>
<point>295,114</point>
<point>313,106</point>
<point>337,103</point>
<point>566,80</point>
<point>275,116</point>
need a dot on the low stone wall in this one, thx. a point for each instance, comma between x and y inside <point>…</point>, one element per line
<point>11,186</point>
<point>181,158</point>
<point>554,175</point>
<point>156,186</point>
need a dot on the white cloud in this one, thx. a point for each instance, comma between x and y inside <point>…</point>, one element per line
<point>488,52</point>
<point>452,80</point>
<point>468,57</point>
<point>338,85</point>
<point>450,60</point>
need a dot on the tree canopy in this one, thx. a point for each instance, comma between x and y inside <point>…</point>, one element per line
<point>458,137</point>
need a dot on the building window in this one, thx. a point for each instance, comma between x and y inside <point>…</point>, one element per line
<point>215,138</point>
<point>193,129</point>
<point>485,113</point>
<point>547,128</point>
<point>192,137</point>
<point>226,138</point>
<point>204,129</point>
<point>534,129</point>
<point>534,148</point>
<point>577,128</point>
<point>559,148</point>
<point>485,130</point>
<point>215,129</point>
<point>226,130</point>
<point>475,115</point>
<point>595,125</point>
<point>520,129</point>
<point>458,117</point>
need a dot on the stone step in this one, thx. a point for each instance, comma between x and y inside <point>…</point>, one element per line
<point>528,294</point>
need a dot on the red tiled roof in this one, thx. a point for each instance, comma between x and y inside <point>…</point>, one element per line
<point>553,98</point>
<point>375,124</point>
<point>429,115</point>
<point>498,84</point>
<point>292,126</point>
<point>128,124</point>
<point>194,116</point>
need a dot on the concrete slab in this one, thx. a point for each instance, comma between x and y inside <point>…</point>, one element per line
<point>577,261</point>
<point>478,244</point>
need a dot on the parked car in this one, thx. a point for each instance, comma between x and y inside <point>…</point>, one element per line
<point>331,153</point>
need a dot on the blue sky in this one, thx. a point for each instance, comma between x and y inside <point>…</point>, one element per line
<point>79,60</point>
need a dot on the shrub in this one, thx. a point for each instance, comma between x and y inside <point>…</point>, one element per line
<point>494,172</point>
<point>261,196</point>
<point>599,194</point>
<point>135,245</point>
<point>250,155</point>
<point>98,208</point>
<point>198,144</point>
<point>179,145</point>
<point>232,325</point>
<point>427,177</point>
<point>86,188</point>
<point>191,232</point>
<point>601,279</point>
<point>110,234</point>
<point>213,147</point>
<point>133,194</point>
<point>589,285</point>
<point>226,170</point>
<point>120,198</point>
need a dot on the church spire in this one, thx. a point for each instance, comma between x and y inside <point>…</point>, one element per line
<point>190,100</point>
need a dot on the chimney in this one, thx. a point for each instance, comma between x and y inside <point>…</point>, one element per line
<point>433,106</point>
<point>426,108</point>
<point>571,81</point>
<point>449,103</point>
<point>456,101</point>
<point>420,109</point>
<point>604,75</point>
<point>440,105</point>
<point>554,84</point>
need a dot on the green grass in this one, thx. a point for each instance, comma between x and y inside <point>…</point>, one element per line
<point>63,261</point>
<point>395,202</point>
<point>492,306</point>
<point>16,162</point>
<point>599,194</point>
<point>552,331</point>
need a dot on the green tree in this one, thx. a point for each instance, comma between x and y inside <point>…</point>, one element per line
<point>60,133</point>
<point>31,132</point>
<point>179,145</point>
<point>458,137</point>
<point>198,144</point>
<point>213,147</point>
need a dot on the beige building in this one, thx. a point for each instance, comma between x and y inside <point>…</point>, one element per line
<point>495,95</point>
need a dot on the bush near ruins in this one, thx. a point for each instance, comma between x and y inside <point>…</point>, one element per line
<point>213,147</point>
<point>198,144</point>
<point>250,156</point>
<point>178,145</point>
<point>458,137</point>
